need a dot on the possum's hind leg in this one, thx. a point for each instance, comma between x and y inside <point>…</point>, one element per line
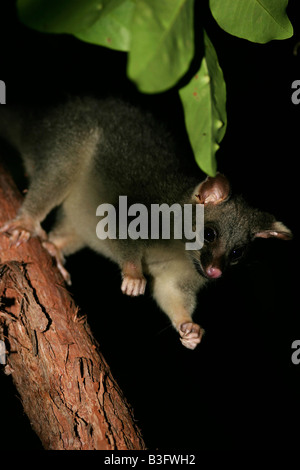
<point>54,166</point>
<point>63,240</point>
<point>22,228</point>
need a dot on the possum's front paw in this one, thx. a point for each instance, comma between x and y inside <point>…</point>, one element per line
<point>21,229</point>
<point>133,286</point>
<point>190,334</point>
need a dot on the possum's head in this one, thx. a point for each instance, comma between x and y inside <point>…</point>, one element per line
<point>229,227</point>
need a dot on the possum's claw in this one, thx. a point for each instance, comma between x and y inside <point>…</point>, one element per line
<point>21,229</point>
<point>59,258</point>
<point>133,286</point>
<point>18,237</point>
<point>190,334</point>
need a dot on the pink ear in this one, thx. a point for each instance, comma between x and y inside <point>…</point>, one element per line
<point>213,190</point>
<point>278,230</point>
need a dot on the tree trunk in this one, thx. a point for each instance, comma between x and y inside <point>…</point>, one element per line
<point>64,383</point>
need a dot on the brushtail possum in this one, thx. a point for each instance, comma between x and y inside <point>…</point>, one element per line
<point>87,152</point>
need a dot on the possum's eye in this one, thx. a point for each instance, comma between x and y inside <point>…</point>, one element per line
<point>237,253</point>
<point>209,234</point>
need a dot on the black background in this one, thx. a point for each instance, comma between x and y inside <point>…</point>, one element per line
<point>239,388</point>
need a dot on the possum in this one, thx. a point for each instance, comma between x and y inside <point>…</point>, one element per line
<point>86,152</point>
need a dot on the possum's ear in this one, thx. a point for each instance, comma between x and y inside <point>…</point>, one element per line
<point>276,230</point>
<point>213,190</point>
<point>265,225</point>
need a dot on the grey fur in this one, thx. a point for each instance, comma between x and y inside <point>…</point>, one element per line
<point>87,152</point>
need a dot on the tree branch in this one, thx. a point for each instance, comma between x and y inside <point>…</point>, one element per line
<point>65,385</point>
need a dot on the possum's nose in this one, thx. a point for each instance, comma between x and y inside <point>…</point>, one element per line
<point>213,272</point>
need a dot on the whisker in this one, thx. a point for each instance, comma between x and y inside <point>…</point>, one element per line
<point>163,330</point>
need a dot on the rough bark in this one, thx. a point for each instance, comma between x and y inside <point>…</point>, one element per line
<point>64,383</point>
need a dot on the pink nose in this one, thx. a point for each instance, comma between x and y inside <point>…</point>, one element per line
<point>212,272</point>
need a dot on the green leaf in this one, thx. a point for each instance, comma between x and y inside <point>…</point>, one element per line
<point>112,29</point>
<point>102,22</point>
<point>59,16</point>
<point>256,20</point>
<point>204,103</point>
<point>162,43</point>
